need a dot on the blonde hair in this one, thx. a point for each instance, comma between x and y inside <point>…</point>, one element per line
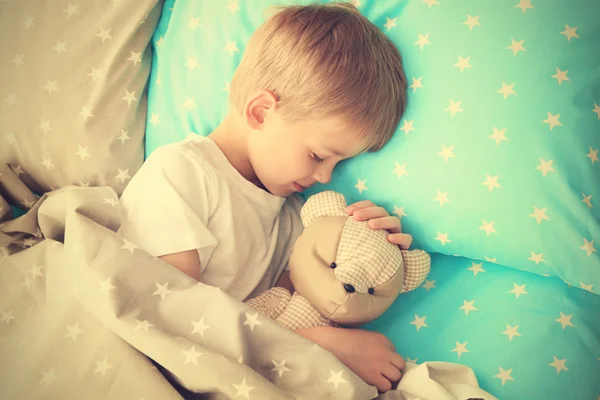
<point>326,60</point>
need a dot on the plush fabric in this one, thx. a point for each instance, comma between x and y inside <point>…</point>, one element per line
<point>73,93</point>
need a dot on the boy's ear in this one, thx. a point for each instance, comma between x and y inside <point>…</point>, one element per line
<point>258,108</point>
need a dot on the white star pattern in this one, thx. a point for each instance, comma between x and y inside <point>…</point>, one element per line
<point>7,317</point>
<point>454,107</point>
<point>545,166</point>
<point>476,268</point>
<point>488,227</point>
<point>106,286</point>
<point>416,84</point>
<point>518,290</point>
<point>507,90</point>
<point>129,246</point>
<point>463,63</point>
<point>73,331</point>
<point>400,170</point>
<point>537,258</point>
<point>504,375</point>
<point>85,113</point>
<point>561,76</point>
<point>447,152</point>
<point>524,5</point>
<point>539,214</point>
<point>390,23</point>
<point>48,377</point>
<point>143,325</point>
<point>587,200</point>
<point>360,186</point>
<point>443,237</point>
<point>102,367</point>
<point>199,327</point>
<point>491,182</point>
<point>191,355</point>
<point>280,367</point>
<point>60,47</point>
<point>162,290</point>
<point>516,46</point>
<point>336,378</point>
<point>498,135</point>
<point>407,126</point>
<point>231,47</point>
<point>559,365</point>
<point>233,6</point>
<point>570,33</point>
<point>423,40</point>
<point>104,34</point>
<point>243,389</point>
<point>593,155</point>
<point>552,120</point>
<point>511,331</point>
<point>135,57</point>
<point>129,97</point>
<point>252,320</point>
<point>442,198</point>
<point>468,306</point>
<point>460,348</point>
<point>419,322</point>
<point>588,246</point>
<point>428,285</point>
<point>123,175</point>
<point>565,320</point>
<point>82,152</point>
<point>124,136</point>
<point>472,22</point>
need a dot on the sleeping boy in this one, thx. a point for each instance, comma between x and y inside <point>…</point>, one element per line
<point>317,84</point>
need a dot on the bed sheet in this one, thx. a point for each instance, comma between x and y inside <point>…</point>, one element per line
<point>526,336</point>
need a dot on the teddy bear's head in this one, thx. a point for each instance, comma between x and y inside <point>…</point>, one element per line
<point>348,271</point>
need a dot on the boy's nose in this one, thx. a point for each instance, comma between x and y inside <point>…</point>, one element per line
<point>323,175</point>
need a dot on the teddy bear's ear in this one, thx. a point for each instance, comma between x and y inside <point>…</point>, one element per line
<point>324,204</point>
<point>417,264</point>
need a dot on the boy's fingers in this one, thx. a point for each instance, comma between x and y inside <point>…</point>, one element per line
<point>365,214</point>
<point>403,240</point>
<point>358,205</point>
<point>392,224</point>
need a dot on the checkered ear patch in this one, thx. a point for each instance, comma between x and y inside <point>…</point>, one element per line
<point>324,204</point>
<point>417,264</point>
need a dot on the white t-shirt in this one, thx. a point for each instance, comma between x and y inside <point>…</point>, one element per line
<point>188,196</point>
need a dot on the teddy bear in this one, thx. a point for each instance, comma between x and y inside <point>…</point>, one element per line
<point>344,272</point>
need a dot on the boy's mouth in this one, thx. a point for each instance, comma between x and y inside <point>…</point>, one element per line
<point>299,187</point>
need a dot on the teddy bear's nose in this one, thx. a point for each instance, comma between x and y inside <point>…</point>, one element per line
<point>349,288</point>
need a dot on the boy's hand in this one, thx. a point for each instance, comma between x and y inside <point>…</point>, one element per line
<point>379,218</point>
<point>370,355</point>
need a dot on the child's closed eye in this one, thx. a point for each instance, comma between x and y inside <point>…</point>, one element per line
<point>316,158</point>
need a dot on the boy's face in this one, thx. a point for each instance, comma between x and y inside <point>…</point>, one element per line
<point>288,158</point>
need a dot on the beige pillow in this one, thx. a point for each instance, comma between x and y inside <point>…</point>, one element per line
<point>73,78</point>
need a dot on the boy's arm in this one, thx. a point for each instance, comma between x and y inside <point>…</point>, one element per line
<point>187,262</point>
<point>370,355</point>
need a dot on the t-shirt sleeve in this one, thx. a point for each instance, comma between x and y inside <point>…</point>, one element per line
<point>167,204</point>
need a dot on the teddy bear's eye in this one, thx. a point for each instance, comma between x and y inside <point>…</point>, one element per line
<point>333,265</point>
<point>371,290</point>
<point>349,288</point>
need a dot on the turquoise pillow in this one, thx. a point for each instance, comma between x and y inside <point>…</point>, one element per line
<point>525,336</point>
<point>496,157</point>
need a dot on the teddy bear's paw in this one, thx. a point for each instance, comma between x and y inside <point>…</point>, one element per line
<point>271,302</point>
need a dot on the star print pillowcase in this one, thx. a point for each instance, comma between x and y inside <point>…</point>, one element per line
<point>496,157</point>
<point>72,97</point>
